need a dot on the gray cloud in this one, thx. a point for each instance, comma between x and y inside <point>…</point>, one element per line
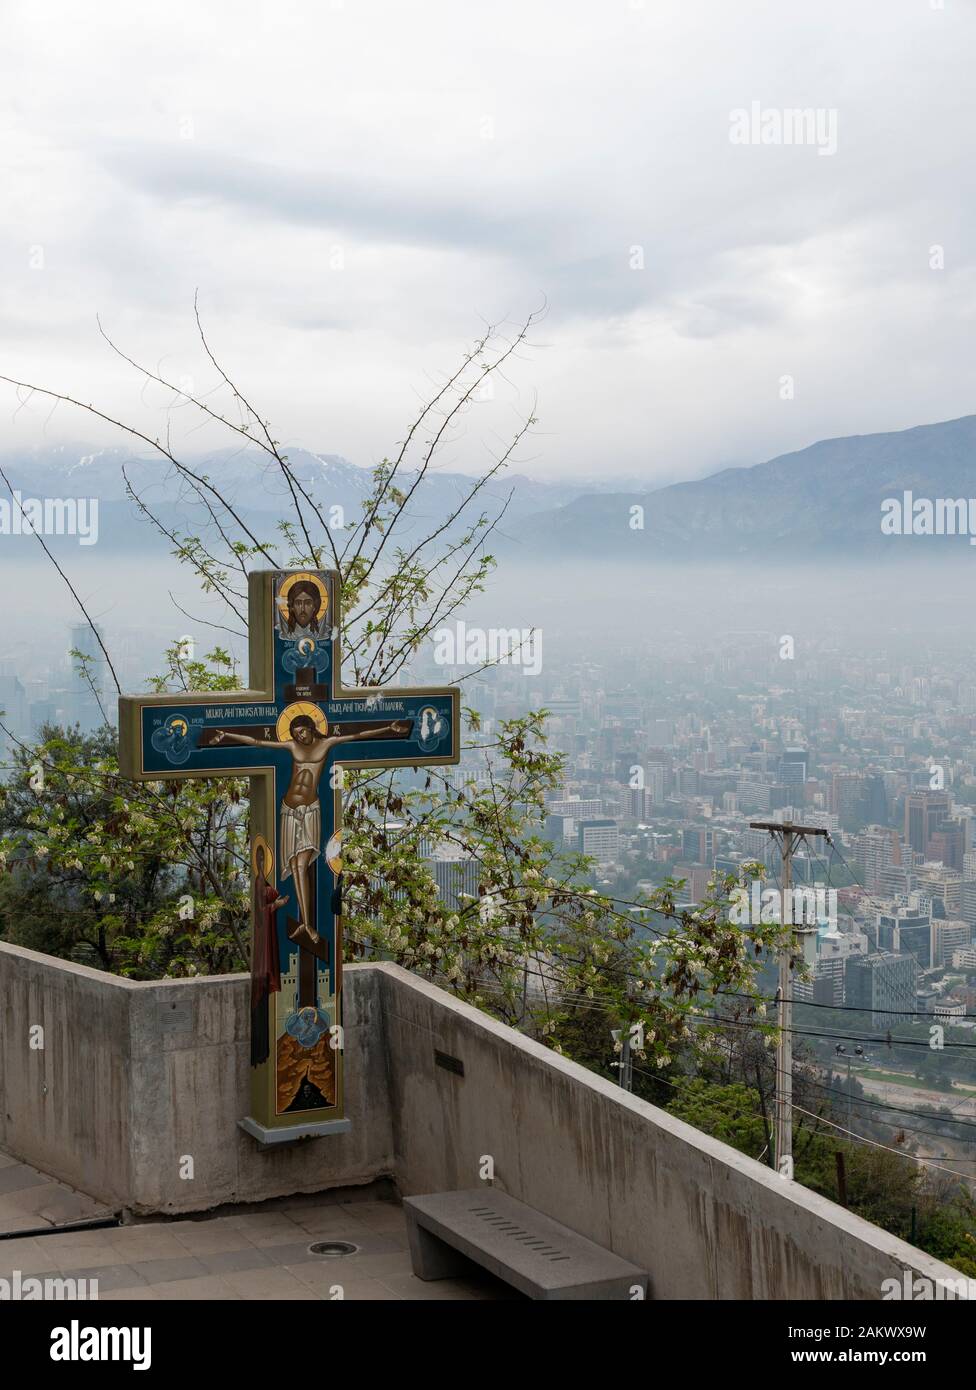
<point>354,185</point>
<point>317,197</point>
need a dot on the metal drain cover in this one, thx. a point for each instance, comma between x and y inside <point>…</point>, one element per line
<point>332,1249</point>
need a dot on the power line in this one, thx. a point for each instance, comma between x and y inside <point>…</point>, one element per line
<point>861,1139</point>
<point>665,1081</point>
<point>882,1105</point>
<point>857,1101</point>
<point>594,1004</point>
<point>754,1023</point>
<point>840,1008</point>
<point>888,1041</point>
<point>581,1001</point>
<point>907,1128</point>
<point>836,1037</point>
<point>897,1124</point>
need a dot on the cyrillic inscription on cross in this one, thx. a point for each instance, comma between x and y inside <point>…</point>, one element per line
<point>289,733</point>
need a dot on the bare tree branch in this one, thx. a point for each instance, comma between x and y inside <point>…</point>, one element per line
<point>154,443</point>
<point>74,593</point>
<point>272,448</point>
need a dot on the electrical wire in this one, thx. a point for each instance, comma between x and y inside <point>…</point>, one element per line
<point>861,1139</point>
<point>838,1037</point>
<point>882,1105</point>
<point>841,1008</point>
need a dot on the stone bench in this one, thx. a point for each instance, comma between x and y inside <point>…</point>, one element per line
<point>516,1243</point>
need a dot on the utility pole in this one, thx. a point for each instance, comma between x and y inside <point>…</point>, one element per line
<point>624,1068</point>
<point>841,1051</point>
<point>626,1065</point>
<point>626,1037</point>
<point>788,836</point>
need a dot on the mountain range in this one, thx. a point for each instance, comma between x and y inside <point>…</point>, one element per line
<point>253,485</point>
<point>822,500</point>
<point>825,499</point>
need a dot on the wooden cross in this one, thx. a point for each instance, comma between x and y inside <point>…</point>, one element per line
<point>291,732</point>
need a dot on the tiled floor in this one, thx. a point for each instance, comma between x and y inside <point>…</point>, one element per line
<point>254,1256</point>
<point>29,1199</point>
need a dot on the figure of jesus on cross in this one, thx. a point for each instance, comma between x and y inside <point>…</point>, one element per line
<point>301,814</point>
<point>291,733</point>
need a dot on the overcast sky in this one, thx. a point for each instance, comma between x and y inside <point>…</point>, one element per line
<point>355,186</point>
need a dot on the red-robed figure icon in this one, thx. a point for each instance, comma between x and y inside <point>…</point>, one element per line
<point>266,967</point>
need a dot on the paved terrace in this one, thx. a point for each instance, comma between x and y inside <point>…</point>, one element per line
<point>134,1077</point>
<point>31,1201</point>
<point>249,1255</point>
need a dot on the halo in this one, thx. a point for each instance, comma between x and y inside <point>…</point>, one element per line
<point>259,842</point>
<point>306,645</point>
<point>178,722</point>
<point>333,853</point>
<point>291,712</point>
<point>308,577</point>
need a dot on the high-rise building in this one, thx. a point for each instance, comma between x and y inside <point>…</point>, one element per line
<point>456,873</point>
<point>715,784</point>
<point>829,975</point>
<point>698,844</point>
<point>654,784</point>
<point>624,705</point>
<point>560,830</point>
<point>948,844</point>
<point>941,885</point>
<point>948,936</point>
<point>793,767</point>
<point>907,930</point>
<point>86,682</point>
<point>874,850</point>
<point>696,878</point>
<point>456,879</point>
<point>753,844</point>
<point>884,984</point>
<point>15,709</point>
<point>876,799</point>
<point>579,808</point>
<point>924,813</point>
<point>847,798</point>
<point>825,985</point>
<point>894,881</point>
<point>600,839</point>
<point>752,796</point>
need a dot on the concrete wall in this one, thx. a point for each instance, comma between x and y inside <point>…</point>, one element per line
<point>65,1107</point>
<point>705,1221</point>
<point>134,1076</point>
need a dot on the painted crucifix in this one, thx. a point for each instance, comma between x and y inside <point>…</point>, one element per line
<point>291,733</point>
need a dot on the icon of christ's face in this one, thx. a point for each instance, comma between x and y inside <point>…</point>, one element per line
<point>302,731</point>
<point>303,607</point>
